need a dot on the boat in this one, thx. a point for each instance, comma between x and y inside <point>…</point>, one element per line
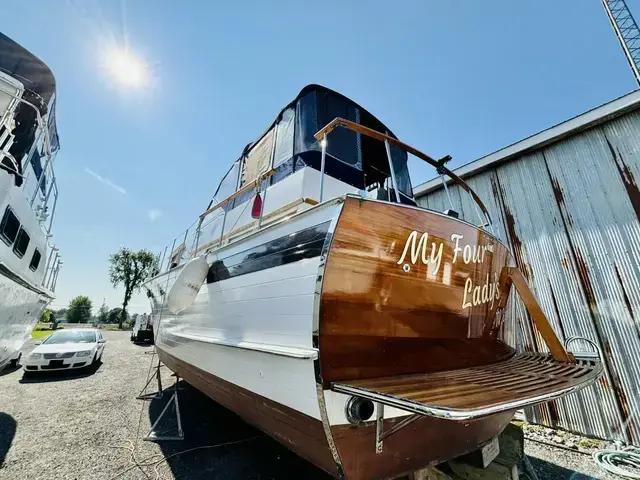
<point>316,300</point>
<point>29,263</point>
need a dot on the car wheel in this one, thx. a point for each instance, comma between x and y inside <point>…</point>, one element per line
<point>14,363</point>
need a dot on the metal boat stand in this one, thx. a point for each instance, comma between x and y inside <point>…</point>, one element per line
<point>156,375</point>
<point>154,436</point>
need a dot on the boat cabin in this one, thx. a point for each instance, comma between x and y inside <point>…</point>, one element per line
<point>28,144</point>
<point>281,173</point>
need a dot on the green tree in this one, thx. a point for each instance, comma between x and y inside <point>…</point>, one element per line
<point>79,310</point>
<point>130,269</point>
<point>114,315</point>
<point>46,315</point>
<point>103,314</point>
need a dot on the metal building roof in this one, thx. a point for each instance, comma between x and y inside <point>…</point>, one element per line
<point>589,119</point>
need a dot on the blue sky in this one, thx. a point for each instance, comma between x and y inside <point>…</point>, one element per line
<point>462,78</point>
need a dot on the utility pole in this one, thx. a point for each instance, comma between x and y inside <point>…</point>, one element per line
<point>627,32</point>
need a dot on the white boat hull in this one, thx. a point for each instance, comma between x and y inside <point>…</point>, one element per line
<point>20,309</point>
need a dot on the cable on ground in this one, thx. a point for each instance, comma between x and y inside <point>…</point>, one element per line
<point>611,461</point>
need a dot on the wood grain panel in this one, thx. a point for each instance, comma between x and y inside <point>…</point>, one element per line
<point>383,316</point>
<point>296,431</point>
<point>427,441</point>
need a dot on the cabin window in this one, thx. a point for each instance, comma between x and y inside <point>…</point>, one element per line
<point>35,260</point>
<point>228,185</point>
<point>284,137</point>
<point>22,243</point>
<point>258,159</point>
<point>9,226</point>
<point>342,143</point>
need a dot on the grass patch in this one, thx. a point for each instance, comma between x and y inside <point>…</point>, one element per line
<point>590,443</point>
<point>41,333</point>
<point>44,326</point>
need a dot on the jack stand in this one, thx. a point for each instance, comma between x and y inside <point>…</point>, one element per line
<point>153,395</point>
<point>153,436</point>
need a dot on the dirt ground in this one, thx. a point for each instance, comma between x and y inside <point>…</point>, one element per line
<point>79,425</point>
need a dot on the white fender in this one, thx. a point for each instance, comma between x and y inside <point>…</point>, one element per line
<point>190,279</point>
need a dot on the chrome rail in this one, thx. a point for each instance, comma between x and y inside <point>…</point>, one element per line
<point>46,183</point>
<point>191,249</point>
<point>439,165</point>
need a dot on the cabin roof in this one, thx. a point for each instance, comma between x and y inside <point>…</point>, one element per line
<point>18,62</point>
<point>302,93</point>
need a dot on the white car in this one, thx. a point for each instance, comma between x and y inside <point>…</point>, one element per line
<point>66,349</point>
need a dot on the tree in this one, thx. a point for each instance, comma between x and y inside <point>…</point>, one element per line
<point>103,314</point>
<point>79,310</point>
<point>46,315</point>
<point>130,269</point>
<point>60,313</point>
<point>114,315</point>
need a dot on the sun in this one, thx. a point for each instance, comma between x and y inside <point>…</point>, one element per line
<point>126,69</point>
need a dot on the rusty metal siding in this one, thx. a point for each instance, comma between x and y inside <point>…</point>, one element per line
<point>569,212</point>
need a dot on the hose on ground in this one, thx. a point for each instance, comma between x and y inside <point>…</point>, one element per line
<point>612,461</point>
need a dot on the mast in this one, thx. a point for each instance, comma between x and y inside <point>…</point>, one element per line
<point>627,32</point>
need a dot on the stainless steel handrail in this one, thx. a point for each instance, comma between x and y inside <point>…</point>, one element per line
<point>50,276</point>
<point>438,164</point>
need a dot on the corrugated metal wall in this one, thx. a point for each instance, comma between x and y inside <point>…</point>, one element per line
<point>570,213</point>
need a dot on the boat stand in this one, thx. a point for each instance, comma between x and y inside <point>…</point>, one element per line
<point>156,375</point>
<point>153,435</point>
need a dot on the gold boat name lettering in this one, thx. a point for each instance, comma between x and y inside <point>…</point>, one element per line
<point>419,249</point>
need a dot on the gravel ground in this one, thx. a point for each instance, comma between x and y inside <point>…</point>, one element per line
<point>553,463</point>
<point>65,426</point>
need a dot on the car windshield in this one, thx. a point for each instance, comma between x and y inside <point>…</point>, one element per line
<point>71,337</point>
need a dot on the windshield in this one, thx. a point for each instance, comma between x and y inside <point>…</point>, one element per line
<point>71,337</point>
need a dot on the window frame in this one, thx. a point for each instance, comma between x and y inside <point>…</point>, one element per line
<point>31,267</point>
<point>15,243</point>
<point>3,223</point>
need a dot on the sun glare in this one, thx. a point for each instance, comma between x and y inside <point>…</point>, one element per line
<point>126,69</point>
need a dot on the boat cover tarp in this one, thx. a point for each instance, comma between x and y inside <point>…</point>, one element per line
<point>475,392</point>
<point>17,61</point>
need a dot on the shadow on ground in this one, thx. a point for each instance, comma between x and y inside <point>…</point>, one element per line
<point>9,370</point>
<point>7,432</point>
<point>550,471</point>
<point>205,422</point>
<point>60,375</point>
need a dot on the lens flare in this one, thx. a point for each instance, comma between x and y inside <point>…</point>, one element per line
<point>126,69</point>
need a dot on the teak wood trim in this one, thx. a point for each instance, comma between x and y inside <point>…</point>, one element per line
<point>244,189</point>
<point>537,315</point>
<point>341,122</point>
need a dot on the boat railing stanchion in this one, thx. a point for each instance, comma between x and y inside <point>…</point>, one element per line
<point>171,254</point>
<point>264,201</point>
<point>194,249</point>
<point>446,188</point>
<point>323,144</point>
<point>53,209</point>
<point>392,170</point>
<point>164,252</point>
<point>46,270</point>
<point>184,242</point>
<point>224,220</point>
